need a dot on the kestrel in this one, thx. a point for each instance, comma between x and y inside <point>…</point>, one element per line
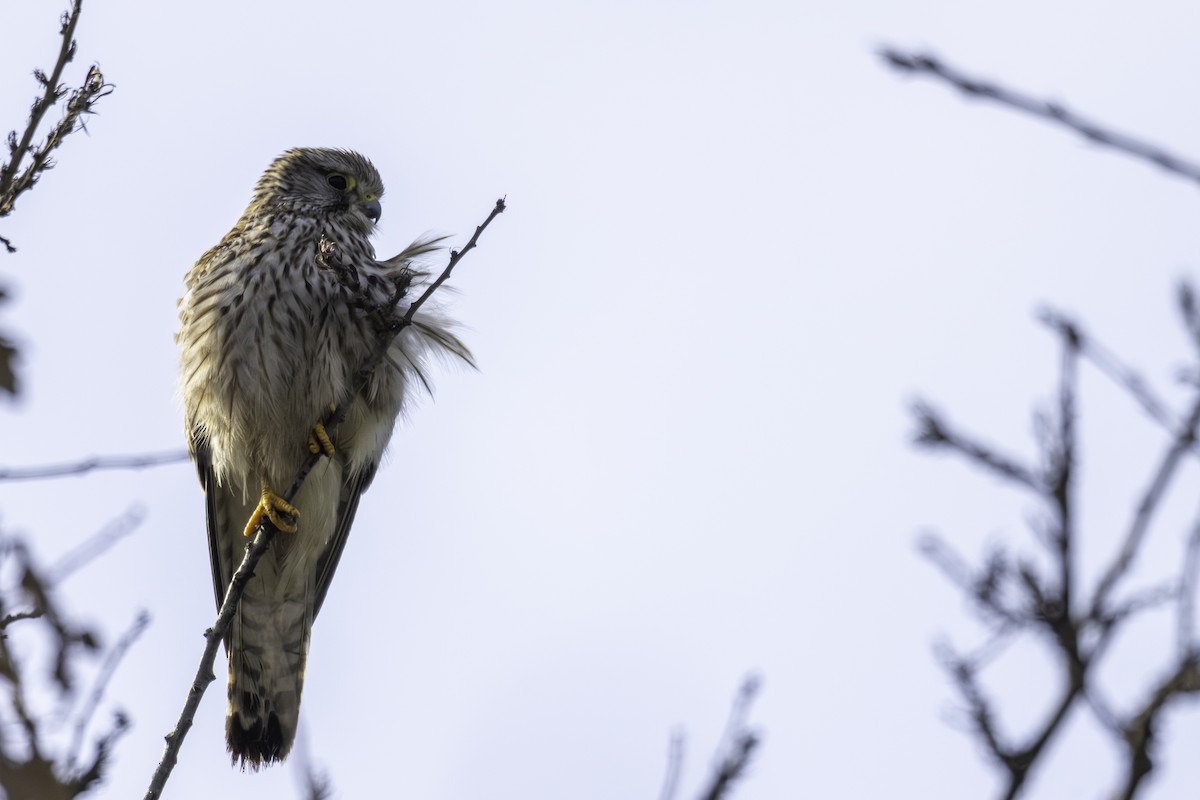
<point>269,341</point>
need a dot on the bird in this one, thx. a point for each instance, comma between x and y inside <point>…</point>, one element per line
<point>269,343</point>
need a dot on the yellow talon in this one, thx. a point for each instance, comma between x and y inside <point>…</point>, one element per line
<point>318,439</point>
<point>281,513</point>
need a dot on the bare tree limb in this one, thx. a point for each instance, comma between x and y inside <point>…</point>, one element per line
<point>1055,113</point>
<point>386,332</point>
<point>15,181</point>
<point>1081,629</point>
<point>93,464</point>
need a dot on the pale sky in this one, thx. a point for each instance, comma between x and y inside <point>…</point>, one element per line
<point>737,247</point>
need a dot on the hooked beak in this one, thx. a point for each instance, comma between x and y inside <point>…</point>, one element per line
<point>372,209</point>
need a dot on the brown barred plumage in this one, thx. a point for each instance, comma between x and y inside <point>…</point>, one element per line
<point>268,341</point>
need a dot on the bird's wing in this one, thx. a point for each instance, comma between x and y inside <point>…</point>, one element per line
<point>352,490</point>
<point>222,570</point>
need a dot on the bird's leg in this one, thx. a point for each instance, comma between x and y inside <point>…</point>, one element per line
<point>318,439</point>
<point>281,513</point>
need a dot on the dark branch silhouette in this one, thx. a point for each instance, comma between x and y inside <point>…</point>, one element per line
<point>387,327</point>
<point>738,745</point>
<point>1015,597</point>
<point>32,764</point>
<point>1056,113</point>
<point>17,177</point>
<point>733,755</point>
<point>15,180</point>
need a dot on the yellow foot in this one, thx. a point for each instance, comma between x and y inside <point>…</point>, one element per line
<point>318,439</point>
<point>281,513</point>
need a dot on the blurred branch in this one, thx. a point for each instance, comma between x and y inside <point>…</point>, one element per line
<point>107,670</point>
<point>675,751</point>
<point>94,546</point>
<point>1139,732</point>
<point>1147,506</point>
<point>15,181</point>
<point>1056,113</point>
<point>387,327</point>
<point>1017,596</point>
<point>932,432</point>
<point>737,745</point>
<point>30,768</point>
<point>93,464</point>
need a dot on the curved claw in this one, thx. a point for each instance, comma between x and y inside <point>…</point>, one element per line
<point>318,439</point>
<point>281,513</point>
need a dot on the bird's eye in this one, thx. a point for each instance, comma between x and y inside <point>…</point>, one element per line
<point>343,183</point>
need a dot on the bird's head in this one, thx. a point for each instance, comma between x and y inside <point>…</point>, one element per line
<point>323,182</point>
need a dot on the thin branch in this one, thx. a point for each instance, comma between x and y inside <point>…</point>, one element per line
<point>9,619</point>
<point>932,432</point>
<point>1061,450</point>
<point>675,753</point>
<point>1185,631</point>
<point>1115,370</point>
<point>266,531</point>
<point>13,180</point>
<point>979,708</point>
<point>93,547</point>
<point>1148,505</point>
<point>107,670</point>
<point>985,587</point>
<point>1055,113</point>
<point>93,464</point>
<point>51,95</point>
<point>737,744</point>
<point>1139,732</point>
<point>455,257</point>
<point>1021,762</point>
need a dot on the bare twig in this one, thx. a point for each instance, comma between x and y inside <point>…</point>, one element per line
<point>737,744</point>
<point>1056,113</point>
<point>9,619</point>
<point>1081,628</point>
<point>1185,631</point>
<point>1149,504</point>
<point>107,669</point>
<point>266,531</point>
<point>15,181</point>
<point>1112,367</point>
<point>93,547</point>
<point>1139,732</point>
<point>93,464</point>
<point>933,432</point>
<point>675,752</point>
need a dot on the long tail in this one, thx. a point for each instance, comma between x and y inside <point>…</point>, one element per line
<point>268,649</point>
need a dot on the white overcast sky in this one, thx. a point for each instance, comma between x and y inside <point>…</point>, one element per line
<point>736,248</point>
